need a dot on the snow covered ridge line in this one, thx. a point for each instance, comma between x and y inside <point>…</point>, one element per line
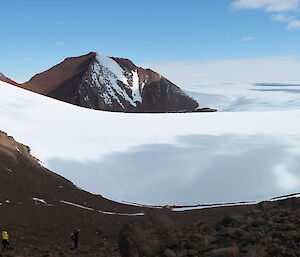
<point>174,208</point>
<point>103,212</point>
<point>203,206</point>
<point>122,214</point>
<point>192,207</point>
<point>285,196</point>
<point>39,200</point>
<point>179,208</point>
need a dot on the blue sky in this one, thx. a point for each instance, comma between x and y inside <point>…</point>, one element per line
<point>36,35</point>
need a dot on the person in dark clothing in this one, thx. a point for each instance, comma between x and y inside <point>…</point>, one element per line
<point>75,238</point>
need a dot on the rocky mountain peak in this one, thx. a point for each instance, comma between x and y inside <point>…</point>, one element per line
<point>97,81</point>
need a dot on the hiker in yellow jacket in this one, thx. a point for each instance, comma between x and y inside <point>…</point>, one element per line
<point>5,240</point>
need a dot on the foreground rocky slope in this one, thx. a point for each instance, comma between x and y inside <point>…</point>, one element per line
<point>269,229</point>
<point>100,82</point>
<point>40,209</point>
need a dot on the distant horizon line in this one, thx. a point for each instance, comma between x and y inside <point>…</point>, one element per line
<point>194,64</point>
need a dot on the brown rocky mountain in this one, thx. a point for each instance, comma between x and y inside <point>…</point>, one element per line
<point>7,80</point>
<point>100,82</point>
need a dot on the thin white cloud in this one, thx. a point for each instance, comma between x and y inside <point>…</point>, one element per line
<point>280,9</point>
<point>248,38</point>
<point>282,17</point>
<point>27,59</point>
<point>267,5</point>
<point>60,43</point>
<point>295,24</point>
<point>292,21</point>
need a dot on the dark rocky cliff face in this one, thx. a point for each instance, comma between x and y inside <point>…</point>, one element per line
<point>99,82</point>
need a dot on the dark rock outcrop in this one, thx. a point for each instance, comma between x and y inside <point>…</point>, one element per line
<point>148,237</point>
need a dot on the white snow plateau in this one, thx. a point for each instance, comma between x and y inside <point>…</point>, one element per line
<point>184,158</point>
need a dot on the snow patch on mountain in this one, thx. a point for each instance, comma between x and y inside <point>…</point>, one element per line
<point>136,95</point>
<point>102,212</point>
<point>77,205</point>
<point>112,67</point>
<point>109,73</point>
<point>39,200</point>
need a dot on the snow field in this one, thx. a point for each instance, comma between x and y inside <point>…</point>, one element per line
<point>185,158</point>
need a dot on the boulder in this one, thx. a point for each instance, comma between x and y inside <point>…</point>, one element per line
<point>169,253</point>
<point>225,252</point>
<point>148,237</point>
<point>233,222</point>
<point>257,252</point>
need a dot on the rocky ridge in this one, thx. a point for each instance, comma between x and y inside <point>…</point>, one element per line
<point>7,80</point>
